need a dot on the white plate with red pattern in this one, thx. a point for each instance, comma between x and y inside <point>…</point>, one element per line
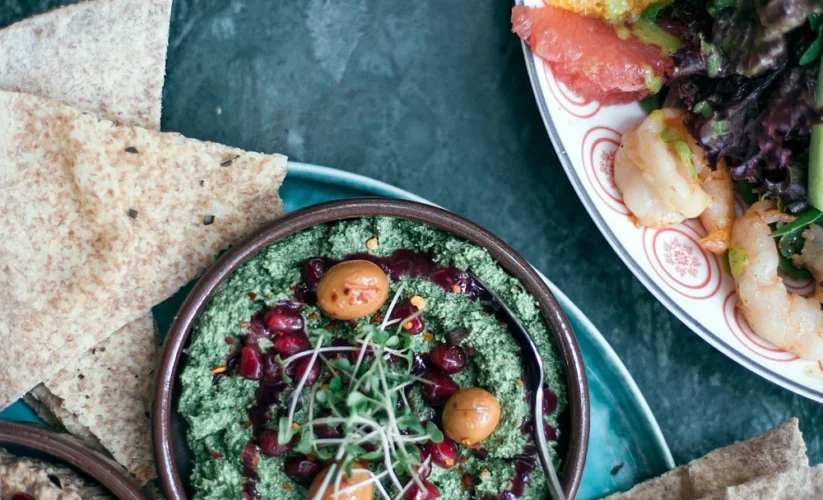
<point>691,282</point>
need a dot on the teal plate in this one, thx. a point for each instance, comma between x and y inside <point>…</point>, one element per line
<point>626,445</point>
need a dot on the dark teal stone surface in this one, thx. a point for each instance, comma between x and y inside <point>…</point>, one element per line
<point>433,96</point>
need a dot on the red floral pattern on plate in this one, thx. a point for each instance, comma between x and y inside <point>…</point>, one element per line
<point>597,152</point>
<point>681,258</point>
<point>678,259</point>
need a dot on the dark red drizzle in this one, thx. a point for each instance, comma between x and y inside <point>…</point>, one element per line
<point>402,262</point>
<point>523,465</point>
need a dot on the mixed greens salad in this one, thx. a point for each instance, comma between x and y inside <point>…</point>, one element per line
<point>747,74</point>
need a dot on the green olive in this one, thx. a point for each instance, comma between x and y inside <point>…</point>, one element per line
<point>358,475</point>
<point>352,289</point>
<point>471,415</point>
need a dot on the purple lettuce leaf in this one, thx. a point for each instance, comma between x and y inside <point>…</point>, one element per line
<point>749,100</point>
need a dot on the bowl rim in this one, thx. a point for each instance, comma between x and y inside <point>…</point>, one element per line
<point>64,448</point>
<point>353,208</point>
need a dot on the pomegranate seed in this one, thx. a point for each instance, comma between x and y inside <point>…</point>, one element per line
<point>256,332</point>
<point>284,319</point>
<point>272,370</point>
<point>249,491</point>
<point>551,432</point>
<point>429,492</point>
<point>300,366</point>
<point>444,454</point>
<point>450,359</point>
<point>288,344</point>
<point>421,362</point>
<point>324,431</point>
<point>250,458</point>
<point>394,360</point>
<point>403,311</point>
<point>549,401</point>
<point>251,363</point>
<point>301,470</point>
<point>313,270</point>
<point>270,447</point>
<point>441,387</point>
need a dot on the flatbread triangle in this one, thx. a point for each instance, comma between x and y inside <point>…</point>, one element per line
<point>107,57</point>
<point>140,214</point>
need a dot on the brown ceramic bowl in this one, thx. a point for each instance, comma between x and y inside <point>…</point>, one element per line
<point>171,451</point>
<point>27,440</point>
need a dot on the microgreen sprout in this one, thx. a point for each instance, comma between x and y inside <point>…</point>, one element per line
<point>367,401</point>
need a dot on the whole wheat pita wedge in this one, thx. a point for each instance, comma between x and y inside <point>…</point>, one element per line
<point>108,390</point>
<point>50,408</point>
<point>800,483</point>
<point>673,485</point>
<point>104,397</point>
<point>113,65</point>
<point>101,222</point>
<point>777,450</point>
<point>105,56</point>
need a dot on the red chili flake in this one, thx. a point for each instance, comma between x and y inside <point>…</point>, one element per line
<point>331,326</point>
<point>313,316</point>
<point>229,339</point>
<point>252,295</point>
<point>470,350</point>
<point>286,486</point>
<point>216,454</point>
<point>245,423</point>
<point>377,318</point>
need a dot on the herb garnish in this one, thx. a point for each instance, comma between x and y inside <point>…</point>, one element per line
<point>366,399</point>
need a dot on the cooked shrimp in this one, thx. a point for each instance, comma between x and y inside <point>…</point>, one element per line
<point>789,321</point>
<point>811,257</point>
<point>664,178</point>
<point>656,168</point>
<point>718,217</point>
